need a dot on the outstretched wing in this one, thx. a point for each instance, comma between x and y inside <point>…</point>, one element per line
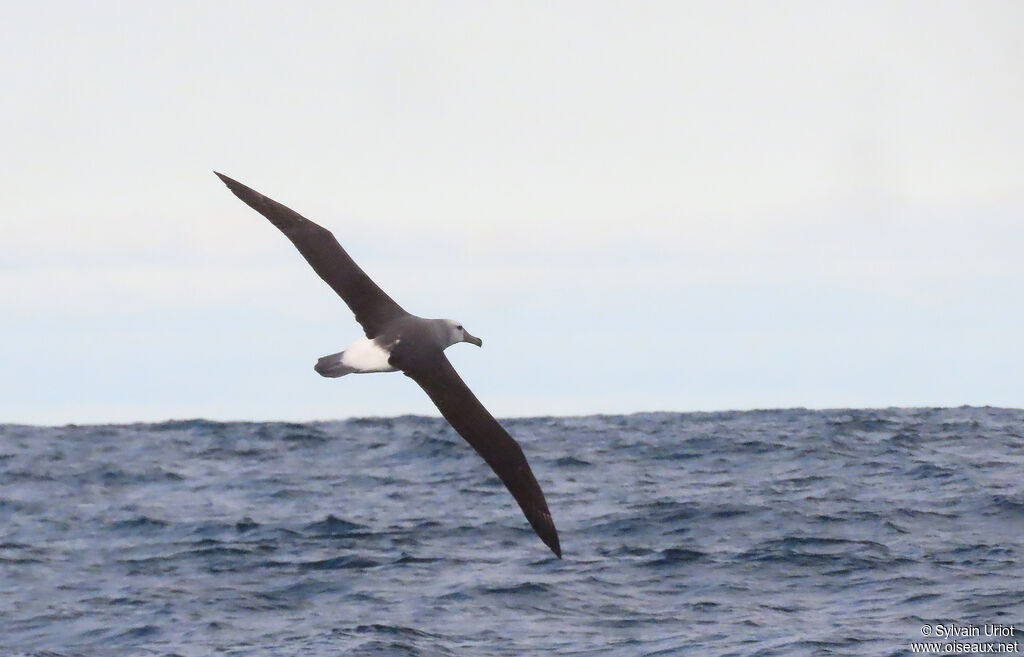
<point>372,307</point>
<point>458,405</point>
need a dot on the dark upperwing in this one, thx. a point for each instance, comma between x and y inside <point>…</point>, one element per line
<point>374,310</point>
<point>372,307</point>
<point>457,403</point>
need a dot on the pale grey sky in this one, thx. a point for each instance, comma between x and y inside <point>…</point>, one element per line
<point>638,206</point>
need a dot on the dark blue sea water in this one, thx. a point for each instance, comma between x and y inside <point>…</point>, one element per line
<point>787,532</point>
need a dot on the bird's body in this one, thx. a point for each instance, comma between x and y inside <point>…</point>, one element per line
<point>396,340</point>
<point>369,355</point>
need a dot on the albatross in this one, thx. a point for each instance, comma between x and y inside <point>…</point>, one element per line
<point>396,340</point>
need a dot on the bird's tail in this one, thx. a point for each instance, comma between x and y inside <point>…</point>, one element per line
<point>332,367</point>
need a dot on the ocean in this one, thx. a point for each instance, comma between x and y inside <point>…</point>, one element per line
<point>776,532</point>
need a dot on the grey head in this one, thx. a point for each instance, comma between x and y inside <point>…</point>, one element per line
<point>448,332</point>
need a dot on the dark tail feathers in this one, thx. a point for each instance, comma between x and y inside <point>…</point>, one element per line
<point>332,367</point>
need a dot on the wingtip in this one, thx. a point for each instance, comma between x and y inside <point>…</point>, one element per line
<point>546,532</point>
<point>249,196</point>
<point>226,180</point>
<point>556,547</point>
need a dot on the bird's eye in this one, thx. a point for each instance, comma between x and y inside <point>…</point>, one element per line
<point>460,327</point>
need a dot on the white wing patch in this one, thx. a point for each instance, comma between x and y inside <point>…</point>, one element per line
<point>365,355</point>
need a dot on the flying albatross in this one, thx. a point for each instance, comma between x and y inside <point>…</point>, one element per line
<point>396,340</point>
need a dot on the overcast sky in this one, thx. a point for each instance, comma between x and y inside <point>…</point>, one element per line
<point>637,206</point>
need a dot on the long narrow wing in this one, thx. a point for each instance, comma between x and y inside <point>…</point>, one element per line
<point>473,422</point>
<point>372,307</point>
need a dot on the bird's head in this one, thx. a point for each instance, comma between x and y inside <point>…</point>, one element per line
<point>458,333</point>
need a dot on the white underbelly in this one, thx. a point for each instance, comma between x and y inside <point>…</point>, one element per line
<point>365,355</point>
